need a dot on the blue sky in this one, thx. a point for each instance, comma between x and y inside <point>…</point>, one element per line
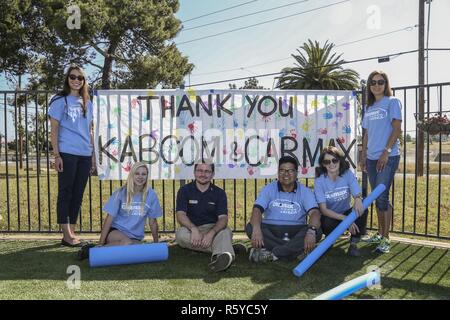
<point>340,23</point>
<point>252,51</point>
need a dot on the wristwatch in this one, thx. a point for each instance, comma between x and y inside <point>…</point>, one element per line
<point>313,228</point>
<point>388,149</point>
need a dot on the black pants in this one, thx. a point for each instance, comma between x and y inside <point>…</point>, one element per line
<point>273,239</point>
<point>329,224</point>
<point>71,184</point>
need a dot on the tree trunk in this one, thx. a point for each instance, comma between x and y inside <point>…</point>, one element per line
<point>107,66</point>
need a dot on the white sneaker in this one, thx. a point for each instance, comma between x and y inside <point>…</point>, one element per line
<point>376,238</point>
<point>384,246</point>
<point>261,255</point>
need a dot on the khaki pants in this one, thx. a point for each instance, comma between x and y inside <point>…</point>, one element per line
<point>221,243</point>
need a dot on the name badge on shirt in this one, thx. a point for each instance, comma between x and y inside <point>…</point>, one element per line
<point>193,201</point>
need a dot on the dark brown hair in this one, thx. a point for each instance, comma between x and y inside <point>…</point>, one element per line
<point>335,152</point>
<point>288,159</point>
<point>84,90</point>
<point>387,86</point>
<point>211,165</point>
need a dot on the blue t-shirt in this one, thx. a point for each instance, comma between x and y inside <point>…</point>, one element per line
<point>336,194</point>
<point>378,122</point>
<point>285,208</point>
<point>131,220</point>
<point>74,129</point>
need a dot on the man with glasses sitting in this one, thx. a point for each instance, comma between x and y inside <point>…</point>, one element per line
<point>203,215</point>
<point>279,227</point>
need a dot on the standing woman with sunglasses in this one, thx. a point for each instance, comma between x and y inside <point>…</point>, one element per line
<point>71,118</point>
<point>334,187</point>
<point>381,155</point>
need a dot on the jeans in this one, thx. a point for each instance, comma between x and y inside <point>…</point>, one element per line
<point>386,176</point>
<point>329,224</point>
<point>71,184</point>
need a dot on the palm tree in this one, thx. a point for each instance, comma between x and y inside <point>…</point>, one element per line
<point>318,68</point>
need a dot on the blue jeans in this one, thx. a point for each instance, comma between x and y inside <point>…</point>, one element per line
<point>386,176</point>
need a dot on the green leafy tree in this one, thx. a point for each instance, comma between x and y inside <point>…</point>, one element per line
<point>251,83</point>
<point>408,138</point>
<point>317,67</point>
<point>126,41</point>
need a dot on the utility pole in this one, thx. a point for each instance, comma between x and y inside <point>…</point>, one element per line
<point>421,96</point>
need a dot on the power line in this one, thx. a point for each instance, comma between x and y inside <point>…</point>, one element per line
<point>245,15</point>
<point>222,10</point>
<point>241,68</point>
<point>338,45</point>
<point>327,65</point>
<point>378,35</point>
<point>261,23</point>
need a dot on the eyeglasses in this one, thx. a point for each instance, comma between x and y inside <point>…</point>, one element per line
<point>289,171</point>
<point>73,77</point>
<point>204,171</point>
<point>380,82</point>
<point>327,162</point>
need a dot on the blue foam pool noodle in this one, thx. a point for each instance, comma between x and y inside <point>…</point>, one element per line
<point>311,258</point>
<point>347,288</point>
<point>131,254</point>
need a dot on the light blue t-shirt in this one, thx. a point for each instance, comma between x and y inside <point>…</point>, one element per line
<point>285,208</point>
<point>74,134</point>
<point>336,194</point>
<point>131,220</point>
<point>377,120</point>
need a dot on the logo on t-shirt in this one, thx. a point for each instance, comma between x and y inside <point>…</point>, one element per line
<point>134,209</point>
<point>74,112</point>
<point>338,194</point>
<point>285,206</point>
<point>376,114</point>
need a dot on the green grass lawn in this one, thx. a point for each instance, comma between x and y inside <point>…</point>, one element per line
<point>37,270</point>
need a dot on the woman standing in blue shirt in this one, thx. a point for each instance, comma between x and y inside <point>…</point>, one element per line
<point>380,155</point>
<point>71,119</point>
<point>334,187</point>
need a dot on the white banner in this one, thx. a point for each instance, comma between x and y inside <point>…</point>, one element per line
<point>243,132</point>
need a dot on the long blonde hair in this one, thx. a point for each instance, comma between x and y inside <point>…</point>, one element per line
<point>129,185</point>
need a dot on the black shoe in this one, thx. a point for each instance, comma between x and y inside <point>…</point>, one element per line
<point>83,253</point>
<point>353,251</point>
<point>239,248</point>
<point>221,262</point>
<point>68,244</point>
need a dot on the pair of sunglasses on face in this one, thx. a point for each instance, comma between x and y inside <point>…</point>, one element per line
<point>380,82</point>
<point>327,162</point>
<point>73,77</point>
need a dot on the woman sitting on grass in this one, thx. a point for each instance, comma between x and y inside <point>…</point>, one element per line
<point>334,186</point>
<point>127,209</point>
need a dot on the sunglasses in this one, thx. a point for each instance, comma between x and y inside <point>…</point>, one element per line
<point>380,82</point>
<point>327,162</point>
<point>73,77</point>
<point>288,171</point>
